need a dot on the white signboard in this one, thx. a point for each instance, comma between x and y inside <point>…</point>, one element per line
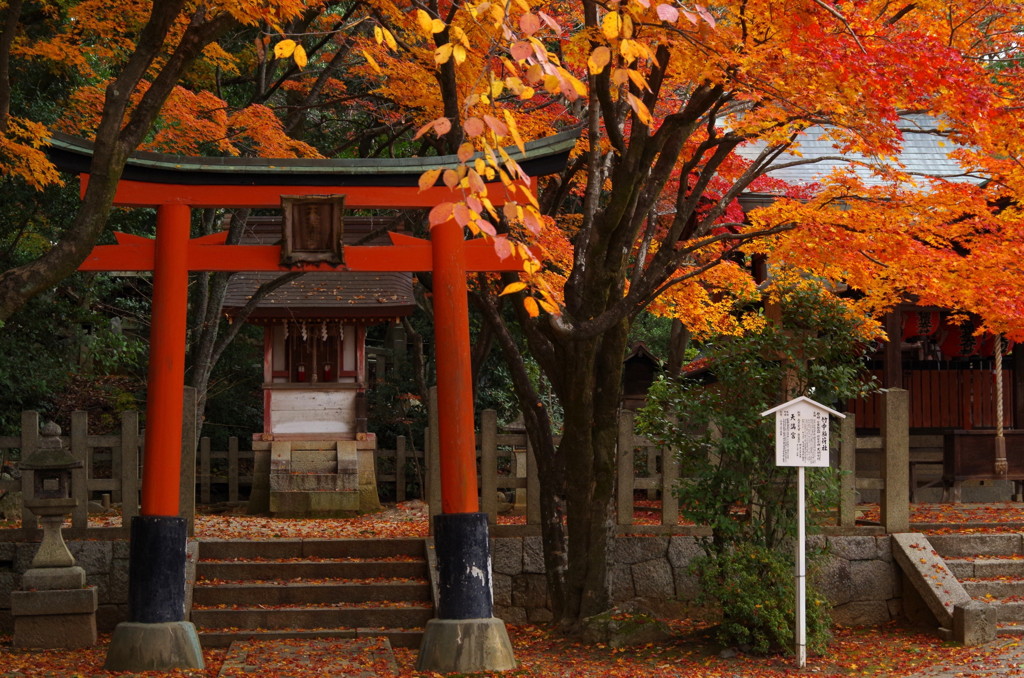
<point>801,439</point>
<point>801,432</point>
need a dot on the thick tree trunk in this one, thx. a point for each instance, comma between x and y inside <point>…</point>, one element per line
<point>592,374</point>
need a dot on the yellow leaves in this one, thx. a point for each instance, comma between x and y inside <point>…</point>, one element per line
<point>639,108</point>
<point>443,53</point>
<point>384,36</point>
<point>450,50</point>
<point>465,151</point>
<point>631,50</point>
<point>429,178</point>
<point>599,58</point>
<point>617,25</point>
<point>514,131</point>
<point>370,60</point>
<point>531,306</point>
<point>428,25</point>
<point>290,48</point>
<point>611,25</point>
<point>512,288</point>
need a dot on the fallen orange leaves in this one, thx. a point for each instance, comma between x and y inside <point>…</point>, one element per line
<point>887,651</point>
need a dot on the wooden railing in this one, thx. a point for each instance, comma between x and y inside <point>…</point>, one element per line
<point>507,467</point>
<point>230,472</point>
<point>123,449</point>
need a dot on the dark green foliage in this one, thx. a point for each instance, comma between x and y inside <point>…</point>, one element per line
<point>38,359</point>
<point>756,590</point>
<point>234,405</point>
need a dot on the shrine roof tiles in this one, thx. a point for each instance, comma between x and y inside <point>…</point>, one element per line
<point>345,294</point>
<point>925,153</point>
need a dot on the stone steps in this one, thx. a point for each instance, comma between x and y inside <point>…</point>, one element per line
<point>345,588</point>
<point>991,569</point>
<point>240,570</point>
<point>298,593</point>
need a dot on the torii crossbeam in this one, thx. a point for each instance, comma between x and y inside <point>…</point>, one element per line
<point>175,185</point>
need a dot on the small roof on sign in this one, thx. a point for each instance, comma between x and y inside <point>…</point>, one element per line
<point>803,400</point>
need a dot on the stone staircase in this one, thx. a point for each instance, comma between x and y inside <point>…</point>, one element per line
<point>342,588</point>
<point>991,569</point>
<point>313,478</point>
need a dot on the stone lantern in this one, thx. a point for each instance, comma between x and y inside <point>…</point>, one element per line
<point>54,608</point>
<point>51,497</point>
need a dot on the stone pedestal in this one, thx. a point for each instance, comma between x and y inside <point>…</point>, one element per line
<point>162,646</point>
<point>347,484</point>
<point>58,618</point>
<point>465,646</point>
<point>309,480</point>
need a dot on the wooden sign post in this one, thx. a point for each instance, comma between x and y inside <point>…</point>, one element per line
<point>801,439</point>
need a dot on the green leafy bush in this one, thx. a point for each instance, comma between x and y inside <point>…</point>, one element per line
<point>756,590</point>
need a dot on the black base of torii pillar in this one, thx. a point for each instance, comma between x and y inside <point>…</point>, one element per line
<point>465,637</point>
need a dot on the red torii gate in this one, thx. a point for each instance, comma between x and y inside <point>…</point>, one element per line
<point>465,636</point>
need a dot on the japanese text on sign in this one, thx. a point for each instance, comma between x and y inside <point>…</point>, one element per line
<point>801,437</point>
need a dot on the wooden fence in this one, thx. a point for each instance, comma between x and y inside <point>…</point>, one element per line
<point>944,399</point>
<point>507,472</point>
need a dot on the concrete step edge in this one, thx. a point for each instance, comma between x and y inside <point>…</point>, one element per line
<point>277,583</point>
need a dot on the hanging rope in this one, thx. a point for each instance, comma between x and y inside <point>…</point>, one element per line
<point>1001,465</point>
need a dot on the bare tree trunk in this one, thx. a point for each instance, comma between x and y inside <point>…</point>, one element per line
<point>208,343</point>
<point>678,342</point>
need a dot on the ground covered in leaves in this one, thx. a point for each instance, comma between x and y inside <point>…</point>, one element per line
<point>410,519</point>
<point>887,651</point>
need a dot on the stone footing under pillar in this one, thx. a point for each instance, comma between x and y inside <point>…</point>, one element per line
<point>136,646</point>
<point>465,646</point>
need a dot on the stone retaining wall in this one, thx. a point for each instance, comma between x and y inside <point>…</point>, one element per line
<point>859,576</point>
<point>106,567</point>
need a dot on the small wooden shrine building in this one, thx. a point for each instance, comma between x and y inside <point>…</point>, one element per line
<point>639,370</point>
<point>314,364</point>
<point>315,454</point>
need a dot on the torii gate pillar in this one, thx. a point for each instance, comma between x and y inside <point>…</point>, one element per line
<point>156,635</point>
<point>465,636</point>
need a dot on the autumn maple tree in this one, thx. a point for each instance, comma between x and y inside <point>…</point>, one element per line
<point>683,108</point>
<point>123,63</point>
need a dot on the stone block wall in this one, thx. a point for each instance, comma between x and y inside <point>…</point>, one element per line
<point>106,567</point>
<point>858,576</point>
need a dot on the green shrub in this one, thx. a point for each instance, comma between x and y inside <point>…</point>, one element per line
<point>755,588</point>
